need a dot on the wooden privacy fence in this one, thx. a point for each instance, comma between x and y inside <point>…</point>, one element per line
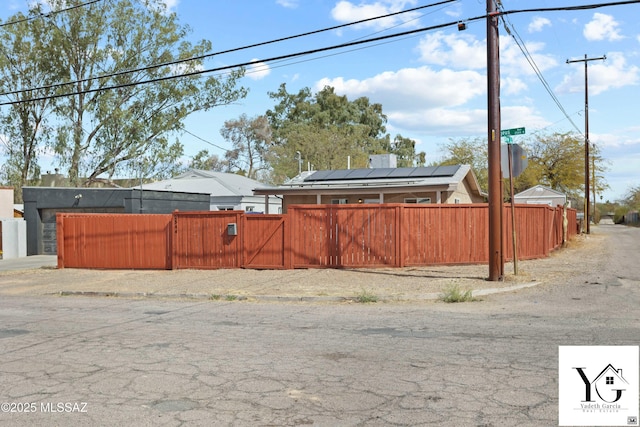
<point>113,241</point>
<point>308,236</point>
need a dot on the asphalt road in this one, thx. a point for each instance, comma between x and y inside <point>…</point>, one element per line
<point>105,361</point>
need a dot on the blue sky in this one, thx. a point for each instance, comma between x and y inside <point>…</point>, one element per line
<point>432,85</point>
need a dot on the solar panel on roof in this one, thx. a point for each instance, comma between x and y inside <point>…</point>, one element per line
<point>359,173</point>
<point>378,173</point>
<point>381,173</point>
<point>318,176</point>
<point>401,173</point>
<point>422,172</point>
<point>446,171</point>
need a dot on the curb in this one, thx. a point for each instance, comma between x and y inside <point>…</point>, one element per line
<point>278,298</point>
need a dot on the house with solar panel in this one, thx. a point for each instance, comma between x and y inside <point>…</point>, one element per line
<point>381,183</point>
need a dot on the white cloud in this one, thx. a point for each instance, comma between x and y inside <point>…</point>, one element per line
<point>615,140</point>
<point>442,121</point>
<point>463,51</point>
<point>512,86</point>
<point>289,4</point>
<point>602,27</point>
<point>345,11</point>
<point>258,70</point>
<point>513,61</point>
<point>421,99</point>
<point>453,50</point>
<point>411,88</point>
<point>613,73</point>
<point>538,23</point>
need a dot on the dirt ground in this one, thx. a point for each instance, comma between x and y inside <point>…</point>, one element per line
<point>385,284</point>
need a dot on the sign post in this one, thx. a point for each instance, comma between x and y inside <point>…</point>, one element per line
<point>506,134</point>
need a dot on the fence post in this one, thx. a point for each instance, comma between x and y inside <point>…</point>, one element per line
<point>399,236</point>
<point>60,239</point>
<point>173,241</point>
<point>286,236</point>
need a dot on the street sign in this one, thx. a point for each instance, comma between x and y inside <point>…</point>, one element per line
<point>507,139</point>
<point>514,131</point>
<point>519,160</point>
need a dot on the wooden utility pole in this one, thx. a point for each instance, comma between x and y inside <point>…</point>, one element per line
<point>586,136</point>
<point>496,260</point>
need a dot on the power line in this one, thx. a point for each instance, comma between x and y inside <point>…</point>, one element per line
<point>208,55</point>
<point>510,29</point>
<point>51,13</point>
<point>240,65</point>
<point>294,55</point>
<point>204,140</point>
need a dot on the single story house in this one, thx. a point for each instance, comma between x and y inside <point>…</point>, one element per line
<point>41,204</point>
<point>541,195</point>
<point>228,191</point>
<point>432,184</point>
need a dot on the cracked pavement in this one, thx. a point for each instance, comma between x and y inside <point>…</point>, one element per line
<point>173,362</point>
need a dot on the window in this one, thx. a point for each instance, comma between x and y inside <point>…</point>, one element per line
<point>339,201</point>
<point>423,200</point>
<point>249,208</point>
<point>609,380</point>
<point>456,201</point>
<point>225,208</point>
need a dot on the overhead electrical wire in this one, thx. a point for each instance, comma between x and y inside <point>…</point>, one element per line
<point>238,65</point>
<point>511,30</point>
<point>208,55</point>
<point>47,14</point>
<point>292,55</point>
<point>204,140</point>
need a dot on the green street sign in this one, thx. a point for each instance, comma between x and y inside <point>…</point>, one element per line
<point>514,131</point>
<point>507,139</point>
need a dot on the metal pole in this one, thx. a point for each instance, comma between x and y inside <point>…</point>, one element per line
<point>514,239</point>
<point>593,186</point>
<point>496,260</point>
<point>587,203</point>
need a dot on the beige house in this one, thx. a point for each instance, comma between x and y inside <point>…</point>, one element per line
<point>433,184</point>
<point>541,195</point>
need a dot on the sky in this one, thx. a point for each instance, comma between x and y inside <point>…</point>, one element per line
<point>432,85</point>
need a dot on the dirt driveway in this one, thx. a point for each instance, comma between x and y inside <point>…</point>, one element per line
<point>384,284</point>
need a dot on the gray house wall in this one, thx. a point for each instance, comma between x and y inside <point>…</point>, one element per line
<point>41,204</point>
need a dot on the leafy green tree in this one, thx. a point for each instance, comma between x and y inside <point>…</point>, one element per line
<point>405,151</point>
<point>633,198</point>
<point>554,160</point>
<point>250,138</point>
<point>328,129</point>
<point>467,151</point>
<point>24,124</point>
<point>102,130</point>
<point>557,161</point>
<point>210,162</point>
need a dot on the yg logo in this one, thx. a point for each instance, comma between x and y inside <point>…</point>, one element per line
<point>598,385</point>
<point>606,384</point>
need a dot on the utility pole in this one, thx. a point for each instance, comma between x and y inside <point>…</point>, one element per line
<point>586,135</point>
<point>496,259</point>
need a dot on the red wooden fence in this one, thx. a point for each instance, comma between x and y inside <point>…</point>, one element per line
<point>113,241</point>
<point>308,236</point>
